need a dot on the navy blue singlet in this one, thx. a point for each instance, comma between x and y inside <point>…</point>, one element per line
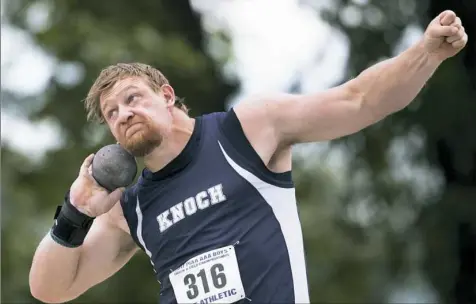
<point>217,192</point>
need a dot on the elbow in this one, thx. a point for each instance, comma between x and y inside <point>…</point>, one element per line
<point>373,110</point>
<point>354,93</point>
<point>377,107</point>
<point>355,96</point>
<point>49,297</point>
<point>36,288</point>
<point>42,294</point>
<point>45,294</point>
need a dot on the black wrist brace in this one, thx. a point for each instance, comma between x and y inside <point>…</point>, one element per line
<point>70,226</point>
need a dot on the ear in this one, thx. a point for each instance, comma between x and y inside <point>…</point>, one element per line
<point>169,94</point>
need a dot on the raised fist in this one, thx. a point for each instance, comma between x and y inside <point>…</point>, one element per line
<point>445,36</point>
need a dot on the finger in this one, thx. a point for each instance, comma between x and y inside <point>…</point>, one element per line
<point>457,22</point>
<point>115,196</point>
<point>460,43</point>
<point>456,37</point>
<point>447,17</point>
<point>86,164</point>
<point>442,31</point>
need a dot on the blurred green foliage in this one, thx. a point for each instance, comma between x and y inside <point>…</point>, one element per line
<point>388,221</point>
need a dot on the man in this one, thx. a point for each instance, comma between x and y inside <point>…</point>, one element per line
<point>215,207</point>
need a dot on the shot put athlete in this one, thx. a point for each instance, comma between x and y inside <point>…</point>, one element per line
<point>215,208</point>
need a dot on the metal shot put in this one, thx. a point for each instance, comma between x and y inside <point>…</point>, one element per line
<point>113,167</point>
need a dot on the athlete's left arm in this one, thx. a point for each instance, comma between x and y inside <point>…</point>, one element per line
<point>377,92</point>
<point>382,89</point>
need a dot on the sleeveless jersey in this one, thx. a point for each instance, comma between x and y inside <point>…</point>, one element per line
<point>217,224</point>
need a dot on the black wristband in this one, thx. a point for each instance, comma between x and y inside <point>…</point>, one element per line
<point>71,226</point>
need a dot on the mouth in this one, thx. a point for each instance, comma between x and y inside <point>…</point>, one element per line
<point>132,129</point>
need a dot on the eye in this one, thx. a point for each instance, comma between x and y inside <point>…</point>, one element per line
<point>111,113</point>
<point>131,97</point>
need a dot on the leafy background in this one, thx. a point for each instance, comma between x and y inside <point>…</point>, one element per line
<point>388,213</point>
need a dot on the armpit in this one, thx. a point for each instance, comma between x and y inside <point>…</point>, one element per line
<point>115,217</point>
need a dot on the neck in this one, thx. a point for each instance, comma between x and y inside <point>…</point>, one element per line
<point>175,141</point>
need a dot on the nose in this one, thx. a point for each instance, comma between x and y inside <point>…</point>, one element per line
<point>124,114</point>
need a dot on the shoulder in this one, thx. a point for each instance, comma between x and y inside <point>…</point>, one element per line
<point>260,116</point>
<point>233,122</point>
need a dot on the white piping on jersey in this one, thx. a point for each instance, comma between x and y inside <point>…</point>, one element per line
<point>283,204</point>
<point>139,233</point>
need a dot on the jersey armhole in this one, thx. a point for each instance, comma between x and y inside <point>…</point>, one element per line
<point>238,147</point>
<point>128,204</point>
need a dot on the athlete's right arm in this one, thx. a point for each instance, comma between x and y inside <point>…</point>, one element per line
<point>60,274</point>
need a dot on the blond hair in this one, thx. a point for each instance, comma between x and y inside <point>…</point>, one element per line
<point>112,74</point>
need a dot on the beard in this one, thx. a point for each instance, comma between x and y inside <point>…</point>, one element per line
<point>142,142</point>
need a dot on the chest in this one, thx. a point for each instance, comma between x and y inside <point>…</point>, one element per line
<point>205,195</point>
<point>201,202</point>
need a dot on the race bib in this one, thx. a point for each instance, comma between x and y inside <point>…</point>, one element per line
<point>211,277</point>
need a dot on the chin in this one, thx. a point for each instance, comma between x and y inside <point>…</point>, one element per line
<point>139,145</point>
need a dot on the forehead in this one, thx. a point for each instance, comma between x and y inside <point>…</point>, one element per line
<point>122,85</point>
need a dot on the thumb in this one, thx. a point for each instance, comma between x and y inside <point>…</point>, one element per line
<point>115,196</point>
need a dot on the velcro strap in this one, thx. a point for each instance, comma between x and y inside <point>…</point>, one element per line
<point>70,226</point>
<point>76,217</point>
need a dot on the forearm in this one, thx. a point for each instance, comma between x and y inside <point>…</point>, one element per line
<point>53,270</point>
<point>392,84</point>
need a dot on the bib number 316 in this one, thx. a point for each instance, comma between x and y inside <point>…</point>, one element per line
<point>210,277</point>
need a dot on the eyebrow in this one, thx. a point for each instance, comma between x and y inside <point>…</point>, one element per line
<point>105,103</point>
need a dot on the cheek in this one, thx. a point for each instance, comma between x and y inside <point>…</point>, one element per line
<point>158,117</point>
<point>115,130</point>
<point>163,120</point>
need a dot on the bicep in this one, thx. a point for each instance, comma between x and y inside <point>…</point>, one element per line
<point>106,249</point>
<point>320,116</point>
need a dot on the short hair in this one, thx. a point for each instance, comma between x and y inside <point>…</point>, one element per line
<point>110,75</point>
